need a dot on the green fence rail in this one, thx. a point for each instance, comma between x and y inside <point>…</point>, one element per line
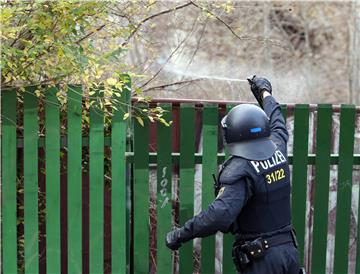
<point>145,172</point>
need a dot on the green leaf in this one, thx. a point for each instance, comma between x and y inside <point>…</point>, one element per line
<point>115,55</point>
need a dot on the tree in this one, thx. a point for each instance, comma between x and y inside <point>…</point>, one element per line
<point>66,42</point>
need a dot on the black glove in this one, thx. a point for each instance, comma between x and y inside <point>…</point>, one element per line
<point>258,85</point>
<point>173,239</point>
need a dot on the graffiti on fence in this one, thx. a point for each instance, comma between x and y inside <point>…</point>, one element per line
<point>164,195</point>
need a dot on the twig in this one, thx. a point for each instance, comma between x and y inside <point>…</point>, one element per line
<point>197,46</point>
<point>90,33</point>
<point>277,22</point>
<point>142,22</point>
<point>243,37</point>
<point>173,84</point>
<point>167,61</point>
<point>46,81</point>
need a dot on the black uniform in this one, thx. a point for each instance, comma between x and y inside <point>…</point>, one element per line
<point>254,201</point>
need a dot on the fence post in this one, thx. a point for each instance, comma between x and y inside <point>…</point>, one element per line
<point>187,180</point>
<point>299,176</point>
<point>8,187</point>
<point>74,183</point>
<point>119,199</point>
<point>141,198</point>
<point>163,198</point>
<point>31,231</point>
<point>52,171</point>
<point>96,187</point>
<point>344,187</point>
<point>228,238</point>
<point>209,166</point>
<point>322,180</point>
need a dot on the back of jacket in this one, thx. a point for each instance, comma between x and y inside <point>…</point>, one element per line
<point>254,196</point>
<point>268,206</point>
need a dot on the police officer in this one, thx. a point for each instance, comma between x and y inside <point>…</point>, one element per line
<point>252,190</point>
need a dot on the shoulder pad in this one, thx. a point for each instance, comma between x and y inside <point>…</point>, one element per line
<point>234,169</point>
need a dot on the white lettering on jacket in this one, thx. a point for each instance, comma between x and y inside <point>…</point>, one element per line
<point>277,159</point>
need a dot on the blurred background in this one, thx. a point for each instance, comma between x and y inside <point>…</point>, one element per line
<point>187,49</point>
<point>202,49</point>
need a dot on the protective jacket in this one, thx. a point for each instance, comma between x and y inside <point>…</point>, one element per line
<point>254,196</point>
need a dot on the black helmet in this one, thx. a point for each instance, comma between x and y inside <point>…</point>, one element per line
<point>246,131</point>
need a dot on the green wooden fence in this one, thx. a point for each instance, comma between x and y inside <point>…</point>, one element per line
<point>191,142</point>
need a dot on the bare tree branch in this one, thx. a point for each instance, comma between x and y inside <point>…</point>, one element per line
<point>197,46</point>
<point>167,61</point>
<point>174,84</point>
<point>243,37</point>
<point>90,33</point>
<point>170,56</point>
<point>281,29</point>
<point>142,22</point>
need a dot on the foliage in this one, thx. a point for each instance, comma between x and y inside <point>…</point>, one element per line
<point>47,43</point>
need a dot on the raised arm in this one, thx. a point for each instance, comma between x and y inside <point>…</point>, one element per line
<point>262,90</point>
<point>279,133</point>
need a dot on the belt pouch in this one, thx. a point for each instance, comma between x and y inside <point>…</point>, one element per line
<point>240,259</point>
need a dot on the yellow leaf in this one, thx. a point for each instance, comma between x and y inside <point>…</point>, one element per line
<point>126,115</point>
<point>141,122</point>
<point>163,121</point>
<point>111,81</point>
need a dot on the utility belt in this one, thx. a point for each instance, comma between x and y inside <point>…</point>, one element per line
<point>244,252</point>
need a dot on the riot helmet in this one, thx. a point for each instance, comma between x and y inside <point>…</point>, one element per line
<point>246,130</point>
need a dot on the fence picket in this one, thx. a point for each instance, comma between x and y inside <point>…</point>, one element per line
<point>209,166</point>
<point>120,230</point>
<point>284,111</point>
<point>52,163</point>
<point>9,237</point>
<point>96,188</point>
<point>164,182</point>
<point>299,175</point>
<point>119,221</point>
<point>187,179</point>
<point>344,186</point>
<point>141,198</point>
<point>74,183</point>
<point>228,238</point>
<point>322,180</point>
<point>31,225</point>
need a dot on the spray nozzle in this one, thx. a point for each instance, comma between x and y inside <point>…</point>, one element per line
<point>251,79</point>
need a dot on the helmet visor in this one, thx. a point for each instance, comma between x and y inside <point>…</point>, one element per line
<point>257,149</point>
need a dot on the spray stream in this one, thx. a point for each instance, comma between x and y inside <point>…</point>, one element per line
<point>219,78</point>
<point>201,76</point>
